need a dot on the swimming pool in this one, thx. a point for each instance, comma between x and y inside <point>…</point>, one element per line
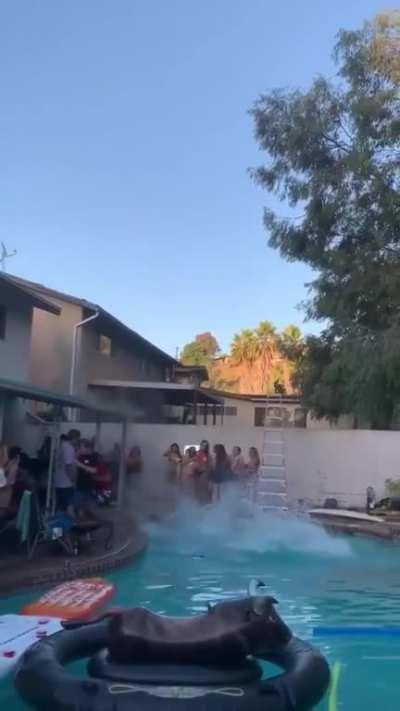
<point>202,557</point>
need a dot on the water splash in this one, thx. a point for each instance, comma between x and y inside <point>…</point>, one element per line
<point>235,524</point>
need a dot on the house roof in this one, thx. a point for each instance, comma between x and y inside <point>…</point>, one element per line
<point>28,295</point>
<point>176,393</point>
<point>256,397</point>
<point>108,320</point>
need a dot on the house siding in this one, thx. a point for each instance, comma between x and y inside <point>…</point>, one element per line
<point>127,362</point>
<point>51,352</point>
<point>15,347</point>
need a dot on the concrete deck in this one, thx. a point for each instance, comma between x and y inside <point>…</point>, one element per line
<point>353,522</point>
<point>51,565</point>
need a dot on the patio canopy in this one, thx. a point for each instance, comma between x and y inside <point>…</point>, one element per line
<point>26,391</point>
<point>174,393</point>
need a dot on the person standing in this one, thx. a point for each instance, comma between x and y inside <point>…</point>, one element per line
<point>202,484</point>
<point>188,472</point>
<point>174,459</point>
<point>238,465</point>
<point>221,470</point>
<point>65,472</point>
<point>252,472</point>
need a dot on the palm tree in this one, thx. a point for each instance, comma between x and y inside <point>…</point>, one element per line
<point>266,338</point>
<point>244,347</point>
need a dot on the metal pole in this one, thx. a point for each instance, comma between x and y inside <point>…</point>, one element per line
<point>97,433</point>
<point>195,407</point>
<point>122,464</point>
<point>50,500</point>
<point>2,408</point>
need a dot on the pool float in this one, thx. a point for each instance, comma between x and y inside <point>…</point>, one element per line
<point>73,600</point>
<point>17,633</point>
<point>139,660</point>
<point>78,599</point>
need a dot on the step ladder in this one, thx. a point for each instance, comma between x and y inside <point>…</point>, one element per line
<point>272,483</point>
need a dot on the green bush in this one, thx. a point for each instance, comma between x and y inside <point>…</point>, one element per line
<point>392,487</point>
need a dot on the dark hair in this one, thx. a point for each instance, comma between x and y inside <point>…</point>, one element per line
<point>86,443</point>
<point>239,449</point>
<point>175,446</point>
<point>191,452</point>
<point>73,434</point>
<point>205,441</point>
<point>221,457</point>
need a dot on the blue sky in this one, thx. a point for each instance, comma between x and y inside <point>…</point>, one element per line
<point>125,143</point>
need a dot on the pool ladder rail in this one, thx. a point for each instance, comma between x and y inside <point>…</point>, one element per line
<point>271,494</point>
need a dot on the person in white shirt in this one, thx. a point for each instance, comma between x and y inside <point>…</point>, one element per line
<point>65,473</point>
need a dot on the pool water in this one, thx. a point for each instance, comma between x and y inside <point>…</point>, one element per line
<point>201,557</point>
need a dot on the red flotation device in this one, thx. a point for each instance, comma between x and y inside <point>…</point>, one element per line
<point>79,599</point>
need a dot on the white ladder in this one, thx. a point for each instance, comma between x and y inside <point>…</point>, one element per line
<point>272,484</point>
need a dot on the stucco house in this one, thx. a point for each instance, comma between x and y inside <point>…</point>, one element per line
<point>79,348</point>
<point>17,306</point>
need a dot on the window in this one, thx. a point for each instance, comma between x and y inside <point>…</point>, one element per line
<point>230,411</point>
<point>259,416</point>
<point>104,345</point>
<point>3,322</point>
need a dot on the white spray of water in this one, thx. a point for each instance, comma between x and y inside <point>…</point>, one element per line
<point>235,524</point>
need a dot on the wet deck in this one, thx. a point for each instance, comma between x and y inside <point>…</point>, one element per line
<point>51,565</point>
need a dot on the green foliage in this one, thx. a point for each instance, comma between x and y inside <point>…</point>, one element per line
<point>201,350</point>
<point>392,487</point>
<point>244,347</point>
<point>333,152</point>
<point>385,44</point>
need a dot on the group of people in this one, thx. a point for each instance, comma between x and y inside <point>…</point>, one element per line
<point>201,474</point>
<point>13,476</point>
<point>81,476</point>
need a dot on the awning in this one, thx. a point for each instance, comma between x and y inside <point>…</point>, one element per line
<point>174,393</point>
<point>26,391</point>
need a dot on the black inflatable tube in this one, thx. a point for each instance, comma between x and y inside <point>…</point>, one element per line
<point>45,685</point>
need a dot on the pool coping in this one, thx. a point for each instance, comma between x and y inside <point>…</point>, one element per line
<point>69,568</point>
<point>353,523</point>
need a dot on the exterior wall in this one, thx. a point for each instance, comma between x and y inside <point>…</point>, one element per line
<point>51,353</point>
<point>319,463</point>
<point>246,411</point>
<point>51,357</point>
<point>15,348</point>
<point>344,422</point>
<point>126,364</point>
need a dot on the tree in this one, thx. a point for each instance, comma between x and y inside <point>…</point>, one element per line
<point>244,347</point>
<point>333,152</point>
<point>385,44</point>
<point>201,350</point>
<point>266,339</point>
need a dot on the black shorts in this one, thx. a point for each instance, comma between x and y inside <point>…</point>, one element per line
<point>64,497</point>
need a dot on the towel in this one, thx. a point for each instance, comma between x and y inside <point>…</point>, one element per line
<point>23,517</point>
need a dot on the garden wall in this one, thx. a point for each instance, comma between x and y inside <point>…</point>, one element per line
<point>319,463</point>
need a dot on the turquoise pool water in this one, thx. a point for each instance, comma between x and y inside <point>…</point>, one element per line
<point>318,579</point>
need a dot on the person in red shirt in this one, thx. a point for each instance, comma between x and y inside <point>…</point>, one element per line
<point>102,480</point>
